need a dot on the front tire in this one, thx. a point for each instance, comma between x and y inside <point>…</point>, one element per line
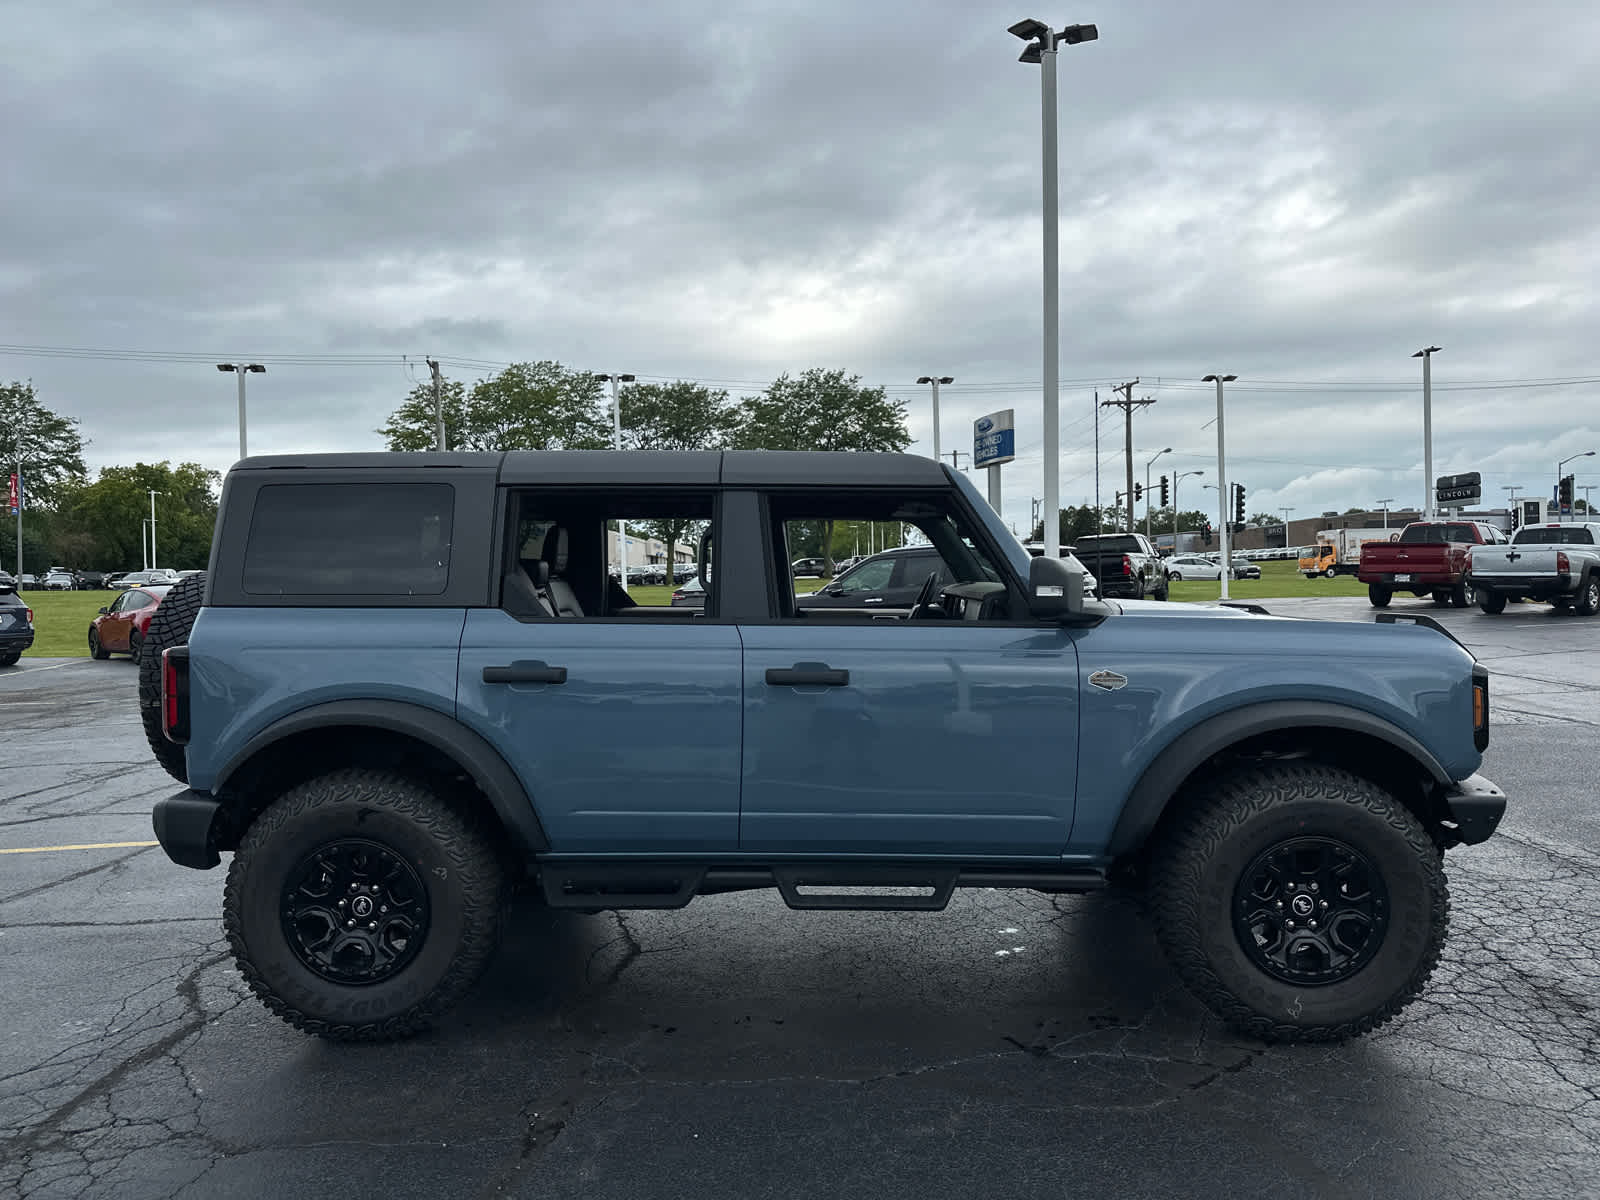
<point>1362,878</point>
<point>96,650</point>
<point>1175,577</point>
<point>1329,573</point>
<point>1378,595</point>
<point>361,905</point>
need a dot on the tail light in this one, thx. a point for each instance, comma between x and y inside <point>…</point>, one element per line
<point>1480,707</point>
<point>175,694</point>
<point>1127,565</point>
<point>30,616</point>
<point>1563,566</point>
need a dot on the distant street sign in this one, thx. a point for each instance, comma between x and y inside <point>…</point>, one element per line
<point>994,439</point>
<point>1458,491</point>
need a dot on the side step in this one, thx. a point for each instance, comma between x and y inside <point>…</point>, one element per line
<point>858,886</point>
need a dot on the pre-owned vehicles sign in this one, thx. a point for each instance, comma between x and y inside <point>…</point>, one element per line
<point>994,439</point>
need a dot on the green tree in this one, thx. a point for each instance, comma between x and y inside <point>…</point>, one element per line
<point>51,447</point>
<point>100,525</point>
<point>675,416</point>
<point>527,406</point>
<point>1266,520</point>
<point>822,410</point>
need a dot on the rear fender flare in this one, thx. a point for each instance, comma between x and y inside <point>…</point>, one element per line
<point>1192,748</point>
<point>480,760</point>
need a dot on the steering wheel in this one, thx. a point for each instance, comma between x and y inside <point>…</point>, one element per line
<point>923,604</point>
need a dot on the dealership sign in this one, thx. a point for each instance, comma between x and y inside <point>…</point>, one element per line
<point>994,440</point>
<point>14,497</point>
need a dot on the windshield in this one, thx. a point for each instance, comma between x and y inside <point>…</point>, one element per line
<point>1572,535</point>
<point>1433,535</point>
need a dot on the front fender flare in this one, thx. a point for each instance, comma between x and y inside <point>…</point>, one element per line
<point>444,733</point>
<point>1190,749</point>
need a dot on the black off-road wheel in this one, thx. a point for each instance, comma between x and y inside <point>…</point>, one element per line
<point>361,905</point>
<point>1300,903</point>
<point>169,626</point>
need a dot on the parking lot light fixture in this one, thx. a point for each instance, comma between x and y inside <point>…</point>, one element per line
<point>1175,479</point>
<point>1386,501</point>
<point>1222,471</point>
<point>242,369</point>
<point>616,444</point>
<point>936,380</point>
<point>1041,49</point>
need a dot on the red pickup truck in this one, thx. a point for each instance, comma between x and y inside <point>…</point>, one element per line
<point>1429,558</point>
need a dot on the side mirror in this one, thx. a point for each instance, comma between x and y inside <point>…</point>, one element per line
<point>104,611</point>
<point>1055,588</point>
<point>833,589</point>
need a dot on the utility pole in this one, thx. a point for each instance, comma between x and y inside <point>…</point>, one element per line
<point>955,458</point>
<point>1127,404</point>
<point>438,406</point>
<point>1097,462</point>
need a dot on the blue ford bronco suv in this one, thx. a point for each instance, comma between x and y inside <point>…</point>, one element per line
<point>409,684</point>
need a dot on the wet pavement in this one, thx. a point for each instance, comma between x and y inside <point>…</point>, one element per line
<point>1014,1045</point>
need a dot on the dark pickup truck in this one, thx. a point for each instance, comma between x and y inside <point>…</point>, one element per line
<point>1126,564</point>
<point>1429,558</point>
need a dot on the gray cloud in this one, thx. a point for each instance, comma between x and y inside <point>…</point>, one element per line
<point>1288,194</point>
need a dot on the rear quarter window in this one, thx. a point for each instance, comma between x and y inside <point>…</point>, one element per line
<point>350,539</point>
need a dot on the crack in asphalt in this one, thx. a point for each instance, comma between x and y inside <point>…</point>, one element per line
<point>114,864</point>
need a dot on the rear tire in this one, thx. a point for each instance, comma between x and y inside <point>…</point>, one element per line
<point>135,645</point>
<point>169,626</point>
<point>1588,602</point>
<point>1254,838</point>
<point>1461,595</point>
<point>1492,602</point>
<point>426,894</point>
<point>11,659</point>
<point>1378,595</point>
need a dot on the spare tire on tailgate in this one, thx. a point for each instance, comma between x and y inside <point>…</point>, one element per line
<point>169,626</point>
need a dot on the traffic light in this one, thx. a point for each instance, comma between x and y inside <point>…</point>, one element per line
<point>1164,492</point>
<point>1566,490</point>
<point>1138,492</point>
<point>1516,517</point>
<point>1238,504</point>
<point>1205,534</point>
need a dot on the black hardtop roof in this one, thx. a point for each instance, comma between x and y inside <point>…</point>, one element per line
<point>752,468</point>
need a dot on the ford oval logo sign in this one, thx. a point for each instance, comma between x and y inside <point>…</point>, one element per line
<point>984,424</point>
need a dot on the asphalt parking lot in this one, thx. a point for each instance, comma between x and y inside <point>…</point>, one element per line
<point>1015,1045</point>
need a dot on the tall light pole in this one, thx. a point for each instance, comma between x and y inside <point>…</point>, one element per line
<point>1222,478</point>
<point>20,498</point>
<point>1426,355</point>
<point>1386,501</point>
<point>616,444</point>
<point>1179,475</point>
<point>144,542</point>
<point>153,495</point>
<point>241,369</point>
<point>1042,43</point>
<point>936,380</point>
<point>1158,454</point>
<point>1588,509</point>
<point>1559,465</point>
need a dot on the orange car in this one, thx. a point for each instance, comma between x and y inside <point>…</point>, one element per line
<point>121,627</point>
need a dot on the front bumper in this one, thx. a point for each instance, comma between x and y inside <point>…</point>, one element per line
<point>1475,807</point>
<point>186,825</point>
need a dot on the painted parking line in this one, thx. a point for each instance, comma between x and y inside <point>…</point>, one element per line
<point>36,670</point>
<point>82,846</point>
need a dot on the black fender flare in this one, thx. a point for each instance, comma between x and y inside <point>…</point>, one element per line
<point>493,775</point>
<point>1190,749</point>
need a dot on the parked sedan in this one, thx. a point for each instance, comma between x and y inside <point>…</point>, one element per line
<point>60,581</point>
<point>1192,566</point>
<point>158,577</point>
<point>16,625</point>
<point>691,595</point>
<point>1243,568</point>
<point>121,627</point>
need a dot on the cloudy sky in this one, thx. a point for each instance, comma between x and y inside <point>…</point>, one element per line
<point>1301,195</point>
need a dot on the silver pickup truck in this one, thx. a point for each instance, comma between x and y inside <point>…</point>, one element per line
<point>1558,563</point>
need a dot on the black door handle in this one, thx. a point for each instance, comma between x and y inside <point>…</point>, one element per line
<point>803,674</point>
<point>525,672</point>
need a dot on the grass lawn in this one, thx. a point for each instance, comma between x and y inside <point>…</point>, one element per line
<point>1277,579</point>
<point>61,621</point>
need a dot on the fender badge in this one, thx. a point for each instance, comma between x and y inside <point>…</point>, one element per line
<point>1108,680</point>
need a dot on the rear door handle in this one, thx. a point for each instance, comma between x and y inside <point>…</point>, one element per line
<point>807,674</point>
<point>525,672</point>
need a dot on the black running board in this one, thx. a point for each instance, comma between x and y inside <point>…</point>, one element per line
<point>905,887</point>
